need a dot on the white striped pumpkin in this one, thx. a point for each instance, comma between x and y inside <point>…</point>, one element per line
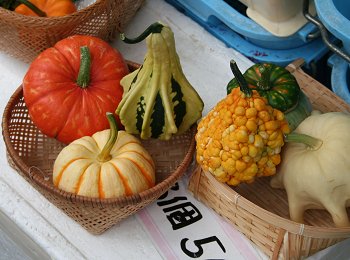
<point>127,169</point>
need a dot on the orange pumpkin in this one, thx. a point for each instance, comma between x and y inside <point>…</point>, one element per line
<point>49,7</point>
<point>68,96</point>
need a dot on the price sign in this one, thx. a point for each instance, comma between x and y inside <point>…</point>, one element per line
<point>183,228</point>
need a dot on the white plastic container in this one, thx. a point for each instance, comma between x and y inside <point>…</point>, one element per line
<point>280,17</point>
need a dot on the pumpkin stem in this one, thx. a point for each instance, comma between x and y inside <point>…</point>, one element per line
<point>105,154</point>
<point>153,28</point>
<point>311,142</point>
<point>33,7</point>
<point>264,81</point>
<point>83,79</point>
<point>240,79</point>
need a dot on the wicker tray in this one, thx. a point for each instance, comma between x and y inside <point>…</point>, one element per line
<point>33,154</point>
<point>24,37</point>
<point>260,212</point>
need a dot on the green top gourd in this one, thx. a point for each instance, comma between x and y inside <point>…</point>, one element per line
<point>280,88</point>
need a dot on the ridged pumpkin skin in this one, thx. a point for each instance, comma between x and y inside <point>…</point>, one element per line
<point>50,7</point>
<point>130,170</point>
<point>57,105</point>
<point>278,85</point>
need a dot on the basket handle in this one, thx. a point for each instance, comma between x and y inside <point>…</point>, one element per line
<point>291,67</point>
<point>196,177</point>
<point>324,33</point>
<point>278,244</point>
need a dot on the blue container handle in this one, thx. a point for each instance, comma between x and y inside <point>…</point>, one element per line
<point>324,32</point>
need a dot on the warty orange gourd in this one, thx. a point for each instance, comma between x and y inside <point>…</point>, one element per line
<point>241,137</point>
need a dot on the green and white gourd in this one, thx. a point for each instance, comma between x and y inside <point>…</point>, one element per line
<point>158,100</point>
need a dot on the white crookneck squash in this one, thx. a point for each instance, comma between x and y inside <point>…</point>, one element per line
<point>315,167</point>
<point>158,100</point>
<point>108,164</point>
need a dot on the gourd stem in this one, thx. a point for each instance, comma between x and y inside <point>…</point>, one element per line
<point>240,79</point>
<point>311,142</point>
<point>83,79</point>
<point>153,28</point>
<point>33,7</point>
<point>105,154</point>
<point>264,81</point>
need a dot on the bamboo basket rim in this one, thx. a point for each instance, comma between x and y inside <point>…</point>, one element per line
<point>27,18</point>
<point>272,218</point>
<point>38,177</point>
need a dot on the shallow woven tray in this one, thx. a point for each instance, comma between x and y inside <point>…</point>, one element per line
<point>33,154</point>
<point>24,37</point>
<point>260,212</point>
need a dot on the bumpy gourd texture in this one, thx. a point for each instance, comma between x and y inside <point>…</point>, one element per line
<point>241,138</point>
<point>130,170</point>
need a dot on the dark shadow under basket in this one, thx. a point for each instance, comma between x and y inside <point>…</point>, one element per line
<point>33,154</point>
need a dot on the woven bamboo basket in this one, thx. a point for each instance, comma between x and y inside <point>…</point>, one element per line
<point>24,37</point>
<point>32,155</point>
<point>260,212</point>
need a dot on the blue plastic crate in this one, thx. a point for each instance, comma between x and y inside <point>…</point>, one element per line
<point>340,77</point>
<point>335,16</point>
<point>249,38</point>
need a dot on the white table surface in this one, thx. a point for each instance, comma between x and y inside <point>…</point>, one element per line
<point>48,231</point>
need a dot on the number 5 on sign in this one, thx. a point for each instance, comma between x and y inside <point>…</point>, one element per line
<point>199,244</point>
